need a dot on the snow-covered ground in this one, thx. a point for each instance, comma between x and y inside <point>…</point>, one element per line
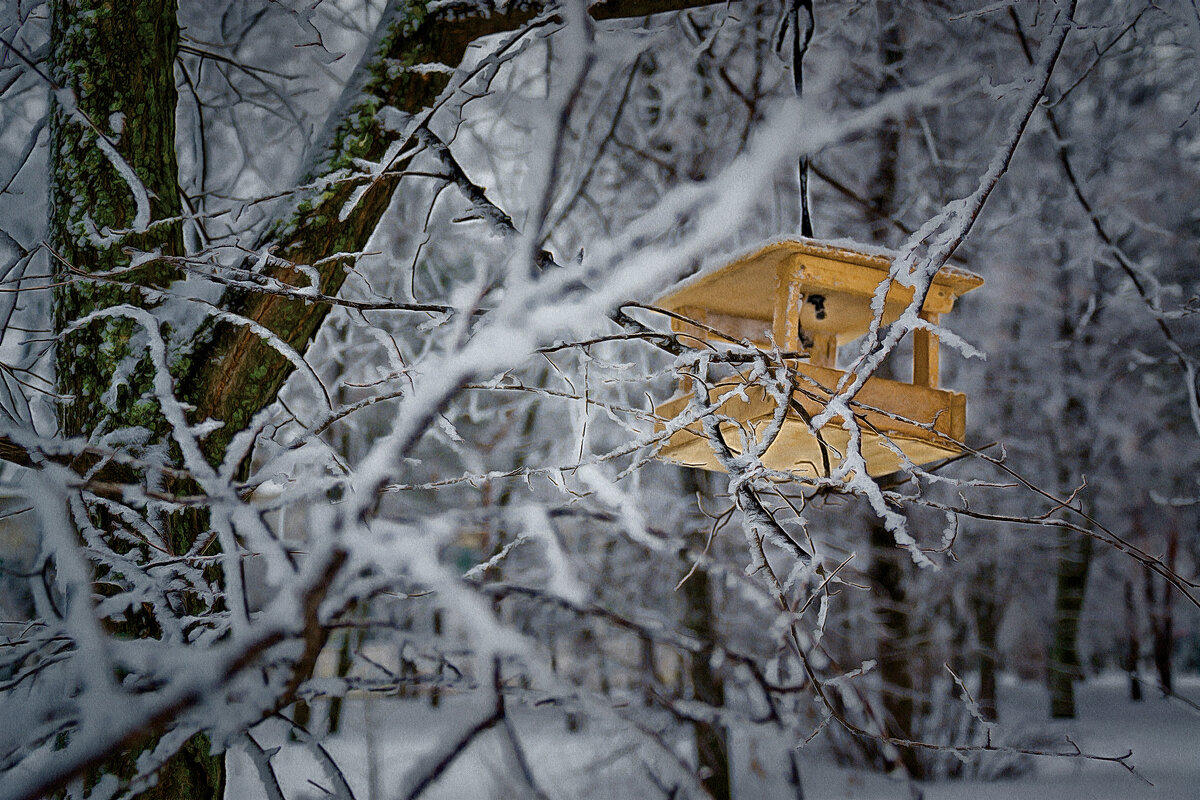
<point>1163,734</point>
<point>384,739</point>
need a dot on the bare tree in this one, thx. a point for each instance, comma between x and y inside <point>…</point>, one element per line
<point>308,354</point>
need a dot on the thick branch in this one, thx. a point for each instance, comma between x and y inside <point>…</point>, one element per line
<point>232,372</point>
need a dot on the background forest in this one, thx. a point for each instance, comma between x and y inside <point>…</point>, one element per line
<point>330,361</point>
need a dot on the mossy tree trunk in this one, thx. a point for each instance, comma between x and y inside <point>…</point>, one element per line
<point>116,59</point>
<point>114,185</point>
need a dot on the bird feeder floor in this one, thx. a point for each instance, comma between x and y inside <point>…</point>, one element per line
<point>924,423</point>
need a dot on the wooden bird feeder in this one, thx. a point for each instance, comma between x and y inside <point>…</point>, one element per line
<point>809,298</point>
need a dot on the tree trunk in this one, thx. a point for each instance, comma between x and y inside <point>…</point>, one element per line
<point>232,372</point>
<point>116,60</point>
<point>1073,453</point>
<point>986,611</point>
<point>882,188</point>
<point>892,646</point>
<point>1159,603</point>
<point>712,747</point>
<point>889,563</point>
<point>1074,558</point>
<point>1133,646</point>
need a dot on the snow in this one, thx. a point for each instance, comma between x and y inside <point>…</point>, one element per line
<point>1162,734</point>
<point>385,739</point>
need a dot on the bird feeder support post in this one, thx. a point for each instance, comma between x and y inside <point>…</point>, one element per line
<point>925,354</point>
<point>788,299</point>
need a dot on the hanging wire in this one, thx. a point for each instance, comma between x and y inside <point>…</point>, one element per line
<point>795,33</point>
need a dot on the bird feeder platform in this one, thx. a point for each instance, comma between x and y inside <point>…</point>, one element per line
<point>807,298</point>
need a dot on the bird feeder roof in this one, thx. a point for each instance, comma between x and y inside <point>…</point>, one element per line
<point>748,287</point>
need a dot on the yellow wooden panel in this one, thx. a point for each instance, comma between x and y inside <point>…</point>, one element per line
<point>745,289</point>
<point>925,355</point>
<point>788,301</point>
<point>920,408</point>
<point>748,287</point>
<point>797,451</point>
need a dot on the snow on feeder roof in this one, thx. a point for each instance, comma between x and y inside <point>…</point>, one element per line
<point>809,297</point>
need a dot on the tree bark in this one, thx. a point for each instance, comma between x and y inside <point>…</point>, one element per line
<point>882,189</point>
<point>1073,453</point>
<point>987,613</point>
<point>117,60</point>
<point>1074,558</point>
<point>889,564</point>
<point>1159,604</point>
<point>892,649</point>
<point>1133,645</point>
<point>700,619</point>
<point>115,63</point>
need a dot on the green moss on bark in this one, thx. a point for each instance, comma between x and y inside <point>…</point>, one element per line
<point>114,59</point>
